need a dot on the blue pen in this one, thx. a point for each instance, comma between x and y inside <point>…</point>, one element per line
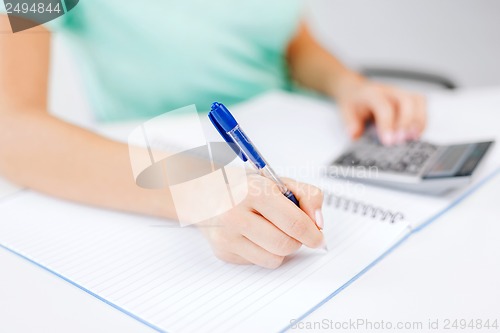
<point>232,133</point>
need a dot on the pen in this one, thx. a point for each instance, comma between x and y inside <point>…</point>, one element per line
<point>232,133</point>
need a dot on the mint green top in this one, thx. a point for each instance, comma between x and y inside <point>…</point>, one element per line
<point>140,59</point>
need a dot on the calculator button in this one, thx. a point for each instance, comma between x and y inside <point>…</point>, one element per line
<point>408,158</point>
<point>412,168</point>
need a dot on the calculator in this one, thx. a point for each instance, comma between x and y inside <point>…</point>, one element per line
<point>417,166</point>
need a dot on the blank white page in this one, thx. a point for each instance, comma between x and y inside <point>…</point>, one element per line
<point>167,276</point>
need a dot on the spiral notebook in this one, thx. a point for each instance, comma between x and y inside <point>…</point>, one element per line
<point>167,276</point>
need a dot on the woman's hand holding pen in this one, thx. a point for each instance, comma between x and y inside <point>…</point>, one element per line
<point>266,226</point>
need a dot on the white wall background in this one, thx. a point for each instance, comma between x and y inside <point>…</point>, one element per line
<point>459,38</point>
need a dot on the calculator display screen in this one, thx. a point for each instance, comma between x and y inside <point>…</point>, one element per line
<point>458,160</point>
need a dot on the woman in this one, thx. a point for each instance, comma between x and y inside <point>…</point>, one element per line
<point>141,60</point>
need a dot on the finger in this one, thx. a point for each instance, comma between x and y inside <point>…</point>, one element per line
<point>285,215</point>
<point>421,117</point>
<point>385,118</point>
<point>310,197</point>
<point>354,121</point>
<point>266,235</point>
<point>257,255</point>
<point>407,112</point>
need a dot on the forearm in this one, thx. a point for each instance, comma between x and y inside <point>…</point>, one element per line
<point>315,68</point>
<point>43,153</point>
<point>398,115</point>
<point>46,154</point>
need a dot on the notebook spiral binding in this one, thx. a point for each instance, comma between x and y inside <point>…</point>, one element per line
<point>364,209</point>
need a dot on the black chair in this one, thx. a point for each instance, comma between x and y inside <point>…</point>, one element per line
<point>401,74</point>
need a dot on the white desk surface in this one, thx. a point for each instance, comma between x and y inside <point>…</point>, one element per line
<point>450,270</point>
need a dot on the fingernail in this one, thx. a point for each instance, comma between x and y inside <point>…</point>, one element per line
<point>414,133</point>
<point>388,138</point>
<point>320,222</point>
<point>400,137</point>
<point>323,246</point>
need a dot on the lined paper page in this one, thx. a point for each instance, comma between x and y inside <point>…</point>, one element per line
<point>168,276</point>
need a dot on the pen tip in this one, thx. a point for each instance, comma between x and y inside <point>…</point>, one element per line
<point>324,247</point>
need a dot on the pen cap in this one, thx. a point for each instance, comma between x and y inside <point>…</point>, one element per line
<point>228,127</point>
<point>221,118</point>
